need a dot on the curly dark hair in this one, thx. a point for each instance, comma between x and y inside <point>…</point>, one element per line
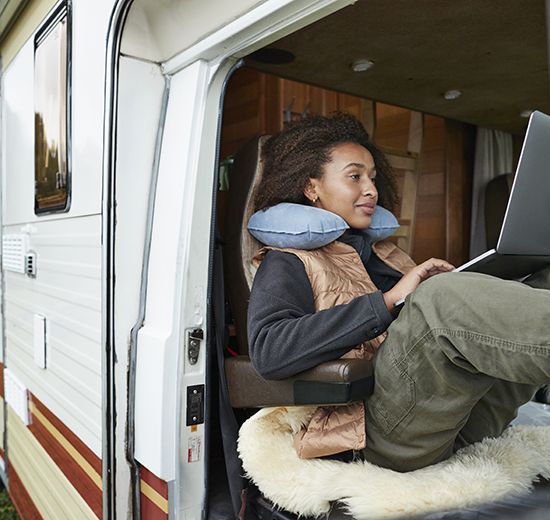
<point>300,151</point>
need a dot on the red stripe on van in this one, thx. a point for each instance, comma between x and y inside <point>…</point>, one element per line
<point>21,498</point>
<point>76,475</point>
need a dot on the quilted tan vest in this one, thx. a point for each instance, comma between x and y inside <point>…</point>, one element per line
<point>337,276</point>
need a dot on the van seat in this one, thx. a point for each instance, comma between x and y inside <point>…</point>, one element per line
<point>336,382</point>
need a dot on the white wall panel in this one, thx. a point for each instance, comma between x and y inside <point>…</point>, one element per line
<point>18,139</point>
<point>67,287</point>
<point>67,292</point>
<point>90,24</point>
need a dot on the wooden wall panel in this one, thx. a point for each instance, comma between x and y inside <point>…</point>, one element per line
<point>459,161</point>
<point>351,104</point>
<point>271,104</point>
<point>430,231</point>
<point>392,126</point>
<point>313,99</point>
<point>241,116</point>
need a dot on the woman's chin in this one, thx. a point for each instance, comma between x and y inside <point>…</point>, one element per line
<point>362,223</point>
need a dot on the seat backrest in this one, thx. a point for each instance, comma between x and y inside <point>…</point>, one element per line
<point>335,382</point>
<point>241,246</point>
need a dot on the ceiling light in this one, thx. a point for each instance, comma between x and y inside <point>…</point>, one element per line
<point>452,94</point>
<point>526,113</point>
<point>361,65</point>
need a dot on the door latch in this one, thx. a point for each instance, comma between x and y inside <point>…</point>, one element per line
<point>194,344</point>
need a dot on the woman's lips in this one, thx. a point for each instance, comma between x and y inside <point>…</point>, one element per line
<point>368,208</point>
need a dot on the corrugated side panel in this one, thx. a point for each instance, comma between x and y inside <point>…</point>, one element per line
<point>67,292</point>
<point>53,495</point>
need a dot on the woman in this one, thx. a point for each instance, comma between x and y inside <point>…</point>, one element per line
<point>450,368</point>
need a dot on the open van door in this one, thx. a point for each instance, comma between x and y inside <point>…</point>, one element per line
<point>161,171</point>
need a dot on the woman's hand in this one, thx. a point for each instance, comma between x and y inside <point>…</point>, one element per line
<point>413,279</point>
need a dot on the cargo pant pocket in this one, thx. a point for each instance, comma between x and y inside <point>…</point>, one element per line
<point>393,397</point>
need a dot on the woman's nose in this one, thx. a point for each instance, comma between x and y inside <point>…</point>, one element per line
<point>369,187</point>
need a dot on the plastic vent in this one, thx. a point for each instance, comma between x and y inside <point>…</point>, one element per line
<point>14,249</point>
<point>16,395</point>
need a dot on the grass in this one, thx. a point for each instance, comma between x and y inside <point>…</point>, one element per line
<point>7,509</point>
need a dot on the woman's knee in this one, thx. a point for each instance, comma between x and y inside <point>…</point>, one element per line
<point>437,289</point>
<point>447,299</point>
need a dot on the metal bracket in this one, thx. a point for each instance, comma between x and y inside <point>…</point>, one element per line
<point>289,114</point>
<point>194,338</point>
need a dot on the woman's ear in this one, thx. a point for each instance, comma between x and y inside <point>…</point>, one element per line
<point>310,192</point>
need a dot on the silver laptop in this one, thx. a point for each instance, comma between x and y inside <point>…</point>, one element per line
<point>524,243</point>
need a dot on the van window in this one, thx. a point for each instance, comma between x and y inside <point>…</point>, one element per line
<point>51,115</point>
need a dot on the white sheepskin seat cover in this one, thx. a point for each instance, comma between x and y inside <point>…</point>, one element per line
<point>486,471</point>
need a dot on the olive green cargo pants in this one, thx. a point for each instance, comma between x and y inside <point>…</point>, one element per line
<point>466,351</point>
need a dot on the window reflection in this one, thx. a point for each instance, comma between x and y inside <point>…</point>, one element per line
<point>50,119</point>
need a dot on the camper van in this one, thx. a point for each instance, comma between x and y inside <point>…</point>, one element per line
<point>125,133</point>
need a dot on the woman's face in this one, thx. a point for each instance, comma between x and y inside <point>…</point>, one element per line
<point>347,185</point>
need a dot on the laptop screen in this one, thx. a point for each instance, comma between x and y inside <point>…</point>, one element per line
<point>526,226</point>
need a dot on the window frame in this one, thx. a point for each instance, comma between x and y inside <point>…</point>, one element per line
<point>62,12</point>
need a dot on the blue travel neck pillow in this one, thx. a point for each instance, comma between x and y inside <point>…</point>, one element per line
<point>297,226</point>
